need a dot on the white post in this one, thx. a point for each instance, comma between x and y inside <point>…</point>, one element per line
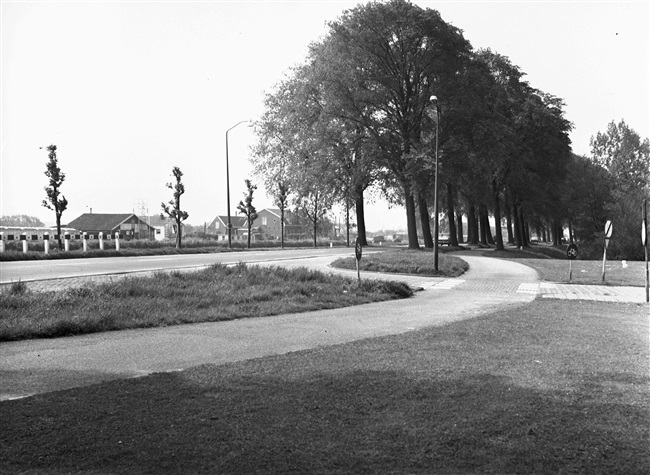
<point>66,242</point>
<point>117,241</point>
<point>2,242</point>
<point>46,242</point>
<point>84,241</point>
<point>101,241</point>
<point>23,238</point>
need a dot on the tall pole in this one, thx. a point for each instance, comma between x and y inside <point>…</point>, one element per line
<point>434,99</point>
<point>644,235</point>
<point>228,185</point>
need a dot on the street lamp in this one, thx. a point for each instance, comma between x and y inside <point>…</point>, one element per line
<point>434,100</point>
<point>228,184</point>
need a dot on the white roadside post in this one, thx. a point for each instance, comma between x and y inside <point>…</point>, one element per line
<point>2,242</point>
<point>117,240</point>
<point>66,242</point>
<point>644,240</point>
<point>23,238</point>
<point>46,242</point>
<point>608,234</point>
<point>84,241</point>
<point>101,241</point>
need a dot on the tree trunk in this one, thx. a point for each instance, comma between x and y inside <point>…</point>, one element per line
<point>517,234</point>
<point>282,227</point>
<point>426,225</point>
<point>459,220</point>
<point>472,225</point>
<point>411,223</point>
<point>508,211</point>
<point>497,216</point>
<point>482,220</point>
<point>178,234</point>
<point>450,215</point>
<point>361,218</point>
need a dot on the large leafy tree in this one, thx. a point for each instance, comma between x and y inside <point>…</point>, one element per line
<point>173,208</point>
<point>55,200</point>
<point>383,62</point>
<point>622,152</point>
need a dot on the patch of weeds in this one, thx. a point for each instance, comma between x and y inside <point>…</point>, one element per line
<point>18,288</point>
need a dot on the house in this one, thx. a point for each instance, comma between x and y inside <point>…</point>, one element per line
<point>269,224</point>
<point>128,225</point>
<point>219,227</point>
<point>164,226</point>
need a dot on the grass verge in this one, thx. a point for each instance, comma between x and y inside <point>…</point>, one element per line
<point>584,272</point>
<point>403,261</point>
<point>553,387</point>
<point>213,294</point>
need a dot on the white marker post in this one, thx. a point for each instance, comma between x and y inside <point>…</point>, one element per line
<point>608,234</point>
<point>66,242</point>
<point>2,242</point>
<point>644,240</point>
<point>46,242</point>
<point>101,241</point>
<point>84,241</point>
<point>117,241</point>
<point>23,238</point>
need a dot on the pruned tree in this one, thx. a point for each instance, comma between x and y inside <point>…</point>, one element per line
<point>55,200</point>
<point>173,208</point>
<point>247,209</point>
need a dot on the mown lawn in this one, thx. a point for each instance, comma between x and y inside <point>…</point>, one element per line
<point>552,387</point>
<point>214,294</point>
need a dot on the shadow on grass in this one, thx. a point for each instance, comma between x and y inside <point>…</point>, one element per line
<point>219,422</point>
<point>553,387</point>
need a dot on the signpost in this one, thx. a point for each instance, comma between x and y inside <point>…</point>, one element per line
<point>358,250</point>
<point>571,253</point>
<point>608,235</point>
<point>644,240</point>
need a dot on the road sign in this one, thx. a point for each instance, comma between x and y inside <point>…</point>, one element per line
<point>608,229</point>
<point>572,251</point>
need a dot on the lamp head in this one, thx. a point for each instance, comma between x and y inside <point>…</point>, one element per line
<point>434,99</point>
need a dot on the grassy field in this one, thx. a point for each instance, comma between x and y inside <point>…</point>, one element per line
<point>214,294</point>
<point>552,387</point>
<point>404,261</point>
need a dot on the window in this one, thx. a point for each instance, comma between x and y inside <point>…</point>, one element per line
<point>263,220</point>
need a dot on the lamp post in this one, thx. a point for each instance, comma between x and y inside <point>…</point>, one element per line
<point>228,184</point>
<point>434,100</point>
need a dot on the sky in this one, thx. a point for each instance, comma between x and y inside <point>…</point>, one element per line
<point>129,90</point>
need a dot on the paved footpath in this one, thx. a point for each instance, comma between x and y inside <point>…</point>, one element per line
<point>39,366</point>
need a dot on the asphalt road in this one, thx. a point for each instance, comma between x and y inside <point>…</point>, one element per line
<point>28,271</point>
<point>39,366</point>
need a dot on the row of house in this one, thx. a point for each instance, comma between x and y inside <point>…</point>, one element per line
<point>130,226</point>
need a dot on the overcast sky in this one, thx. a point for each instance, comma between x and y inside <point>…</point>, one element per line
<point>128,90</point>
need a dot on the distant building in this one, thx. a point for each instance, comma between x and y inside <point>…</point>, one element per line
<point>267,224</point>
<point>219,227</point>
<point>165,227</point>
<point>128,225</point>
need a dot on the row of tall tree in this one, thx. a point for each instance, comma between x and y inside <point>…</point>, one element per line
<point>364,111</point>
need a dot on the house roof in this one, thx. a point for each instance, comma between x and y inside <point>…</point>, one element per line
<point>98,222</point>
<point>236,221</point>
